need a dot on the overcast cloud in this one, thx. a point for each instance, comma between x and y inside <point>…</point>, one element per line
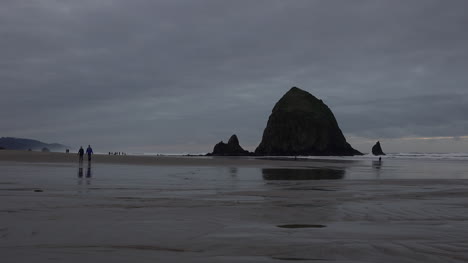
<point>179,76</point>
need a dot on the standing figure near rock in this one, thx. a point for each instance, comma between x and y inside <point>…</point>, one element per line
<point>89,152</point>
<point>81,153</point>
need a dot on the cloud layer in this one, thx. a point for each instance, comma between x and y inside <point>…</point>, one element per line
<point>182,75</point>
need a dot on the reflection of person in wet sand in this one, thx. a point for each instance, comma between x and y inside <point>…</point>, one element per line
<point>88,172</point>
<point>377,165</point>
<point>81,153</point>
<point>80,171</point>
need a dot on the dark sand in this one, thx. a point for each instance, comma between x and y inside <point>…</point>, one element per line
<point>178,209</point>
<point>40,157</point>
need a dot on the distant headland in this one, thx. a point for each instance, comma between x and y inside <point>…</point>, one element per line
<point>11,143</point>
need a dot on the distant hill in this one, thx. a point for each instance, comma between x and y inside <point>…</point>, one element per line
<point>11,143</point>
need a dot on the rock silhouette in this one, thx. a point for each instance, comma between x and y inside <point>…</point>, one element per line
<point>301,124</point>
<point>377,149</point>
<point>232,148</point>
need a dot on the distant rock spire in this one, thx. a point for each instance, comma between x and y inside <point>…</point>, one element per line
<point>377,149</point>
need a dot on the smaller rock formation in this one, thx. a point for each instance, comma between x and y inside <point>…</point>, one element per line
<point>232,148</point>
<point>377,149</point>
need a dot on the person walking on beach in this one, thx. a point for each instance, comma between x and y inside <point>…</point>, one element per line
<point>89,151</point>
<point>81,153</point>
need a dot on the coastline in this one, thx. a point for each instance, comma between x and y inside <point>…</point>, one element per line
<point>54,157</point>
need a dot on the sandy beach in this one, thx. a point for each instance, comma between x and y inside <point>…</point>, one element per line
<point>54,157</point>
<point>191,209</point>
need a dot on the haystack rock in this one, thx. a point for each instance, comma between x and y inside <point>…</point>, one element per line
<point>232,148</point>
<point>301,124</point>
<point>377,149</point>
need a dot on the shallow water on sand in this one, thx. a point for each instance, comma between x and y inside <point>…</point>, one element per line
<point>321,211</point>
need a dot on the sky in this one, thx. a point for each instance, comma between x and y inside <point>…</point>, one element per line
<point>178,76</point>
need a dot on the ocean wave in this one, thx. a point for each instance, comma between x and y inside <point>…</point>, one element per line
<point>424,156</point>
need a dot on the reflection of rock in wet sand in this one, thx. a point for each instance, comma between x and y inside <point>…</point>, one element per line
<point>233,171</point>
<point>302,174</point>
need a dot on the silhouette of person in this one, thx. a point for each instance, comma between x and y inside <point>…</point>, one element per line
<point>81,153</point>
<point>89,152</point>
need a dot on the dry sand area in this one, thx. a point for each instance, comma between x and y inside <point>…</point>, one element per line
<point>183,209</point>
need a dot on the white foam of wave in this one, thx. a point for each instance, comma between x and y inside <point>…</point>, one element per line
<point>441,156</point>
<point>422,156</point>
<point>165,154</point>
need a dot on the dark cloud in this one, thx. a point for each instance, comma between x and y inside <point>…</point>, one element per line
<point>186,74</point>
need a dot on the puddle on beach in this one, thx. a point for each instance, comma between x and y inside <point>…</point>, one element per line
<point>297,259</point>
<point>302,174</point>
<point>301,226</point>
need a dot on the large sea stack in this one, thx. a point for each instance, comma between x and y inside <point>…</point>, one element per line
<point>301,124</point>
<point>377,149</point>
<point>232,148</point>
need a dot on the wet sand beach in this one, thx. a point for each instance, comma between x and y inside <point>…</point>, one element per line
<point>185,209</point>
<point>54,157</point>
